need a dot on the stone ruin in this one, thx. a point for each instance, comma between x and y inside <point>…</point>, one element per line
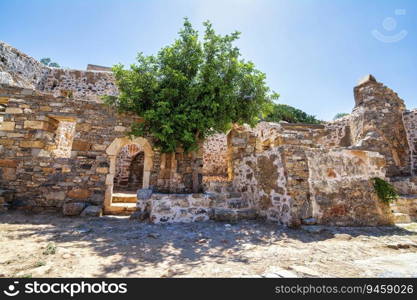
<point>62,149</point>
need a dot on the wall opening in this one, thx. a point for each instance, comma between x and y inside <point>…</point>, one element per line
<point>64,136</point>
<point>131,162</point>
<point>129,169</point>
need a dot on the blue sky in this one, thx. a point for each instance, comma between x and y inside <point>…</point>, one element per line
<point>313,51</point>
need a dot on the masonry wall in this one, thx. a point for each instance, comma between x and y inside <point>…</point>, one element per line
<point>43,178</point>
<point>410,123</point>
<point>376,124</point>
<point>215,155</point>
<point>20,70</point>
<point>341,189</point>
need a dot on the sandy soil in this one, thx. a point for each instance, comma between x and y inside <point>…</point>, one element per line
<point>48,245</point>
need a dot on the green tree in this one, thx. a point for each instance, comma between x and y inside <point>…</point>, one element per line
<point>48,62</point>
<point>340,115</point>
<point>283,112</point>
<point>191,89</point>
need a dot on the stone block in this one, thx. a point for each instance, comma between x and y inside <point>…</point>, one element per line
<point>32,144</point>
<point>78,145</point>
<point>120,128</point>
<point>42,125</point>
<point>99,147</point>
<point>7,126</point>
<point>55,196</point>
<point>79,193</point>
<point>102,170</point>
<point>9,174</point>
<point>92,211</point>
<point>73,209</point>
<point>14,110</point>
<point>8,163</point>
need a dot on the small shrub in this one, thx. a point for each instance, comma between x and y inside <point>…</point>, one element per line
<point>50,249</point>
<point>40,264</point>
<point>385,191</point>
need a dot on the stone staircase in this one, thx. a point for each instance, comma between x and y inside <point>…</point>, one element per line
<point>404,209</point>
<point>228,204</point>
<point>123,204</point>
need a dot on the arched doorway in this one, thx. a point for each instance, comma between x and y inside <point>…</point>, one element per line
<point>131,162</point>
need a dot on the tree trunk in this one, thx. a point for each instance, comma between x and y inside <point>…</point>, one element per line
<point>196,167</point>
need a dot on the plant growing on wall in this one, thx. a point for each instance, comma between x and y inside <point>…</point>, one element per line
<point>385,191</point>
<point>191,89</point>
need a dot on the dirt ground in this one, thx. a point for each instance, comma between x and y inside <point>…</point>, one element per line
<point>48,245</point>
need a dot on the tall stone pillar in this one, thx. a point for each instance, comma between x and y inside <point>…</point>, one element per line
<point>377,125</point>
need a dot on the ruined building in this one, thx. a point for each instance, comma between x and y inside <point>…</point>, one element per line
<point>61,149</point>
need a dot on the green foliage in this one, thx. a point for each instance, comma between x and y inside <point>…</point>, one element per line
<point>191,89</point>
<point>50,249</point>
<point>48,62</point>
<point>283,112</point>
<point>385,191</point>
<point>340,115</point>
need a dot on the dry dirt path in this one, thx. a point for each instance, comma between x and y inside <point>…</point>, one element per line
<point>52,246</point>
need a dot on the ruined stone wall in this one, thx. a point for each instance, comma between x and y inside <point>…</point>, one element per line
<point>20,70</point>
<point>337,133</point>
<point>341,189</point>
<point>269,167</point>
<point>410,123</point>
<point>292,183</point>
<point>87,85</point>
<point>215,155</point>
<point>34,145</point>
<point>376,124</point>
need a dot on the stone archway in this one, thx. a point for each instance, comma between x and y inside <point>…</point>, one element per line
<point>113,150</point>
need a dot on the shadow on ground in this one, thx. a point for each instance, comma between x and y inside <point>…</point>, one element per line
<point>136,245</point>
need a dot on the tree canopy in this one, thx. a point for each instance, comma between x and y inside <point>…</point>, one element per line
<point>191,89</point>
<point>48,62</point>
<point>283,112</point>
<point>340,115</point>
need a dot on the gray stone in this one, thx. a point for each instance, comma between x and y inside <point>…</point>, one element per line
<point>92,211</point>
<point>73,208</point>
<point>144,194</point>
<point>309,221</point>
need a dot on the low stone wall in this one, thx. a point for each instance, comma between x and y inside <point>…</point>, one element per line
<point>173,208</point>
<point>341,189</point>
<point>261,180</point>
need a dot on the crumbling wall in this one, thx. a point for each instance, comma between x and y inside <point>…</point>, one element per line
<point>341,189</point>
<point>86,85</point>
<point>410,123</point>
<point>376,124</point>
<point>215,155</point>
<point>20,70</point>
<point>33,152</point>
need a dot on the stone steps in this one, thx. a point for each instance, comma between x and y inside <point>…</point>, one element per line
<point>121,209</point>
<point>124,198</point>
<point>401,218</point>
<point>404,209</point>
